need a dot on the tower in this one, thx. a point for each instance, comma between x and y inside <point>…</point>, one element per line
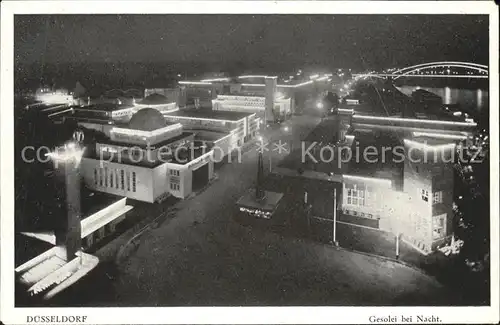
<point>66,164</point>
<point>428,180</point>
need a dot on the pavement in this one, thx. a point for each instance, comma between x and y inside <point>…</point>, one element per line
<point>201,256</point>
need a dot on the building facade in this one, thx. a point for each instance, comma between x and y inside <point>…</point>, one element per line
<point>147,159</point>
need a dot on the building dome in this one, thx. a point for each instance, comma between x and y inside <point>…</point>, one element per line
<point>154,99</point>
<point>147,119</point>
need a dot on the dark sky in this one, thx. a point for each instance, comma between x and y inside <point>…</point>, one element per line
<point>336,40</point>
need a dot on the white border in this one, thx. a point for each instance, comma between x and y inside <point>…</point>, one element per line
<point>226,315</point>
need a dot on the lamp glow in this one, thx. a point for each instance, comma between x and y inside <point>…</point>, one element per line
<point>440,135</point>
<point>369,179</point>
<point>396,119</point>
<point>428,147</point>
<point>194,83</point>
<point>69,151</point>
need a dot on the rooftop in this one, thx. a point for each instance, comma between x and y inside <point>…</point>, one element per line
<point>204,135</point>
<point>147,119</point>
<point>93,202</point>
<point>154,99</point>
<point>145,146</point>
<point>108,107</point>
<point>210,114</point>
<point>376,156</point>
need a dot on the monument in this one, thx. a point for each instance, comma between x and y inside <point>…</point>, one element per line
<point>258,202</point>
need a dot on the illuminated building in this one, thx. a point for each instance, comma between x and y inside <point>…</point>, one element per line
<point>135,152</point>
<point>173,95</point>
<point>147,159</point>
<point>226,130</point>
<point>413,198</point>
<point>233,93</point>
<point>252,104</point>
<point>50,96</point>
<point>405,187</point>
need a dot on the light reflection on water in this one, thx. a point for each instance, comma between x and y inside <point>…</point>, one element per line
<point>475,99</point>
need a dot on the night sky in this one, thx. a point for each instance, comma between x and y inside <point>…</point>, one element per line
<point>336,40</point>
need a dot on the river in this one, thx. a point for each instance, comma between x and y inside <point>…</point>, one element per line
<point>471,100</point>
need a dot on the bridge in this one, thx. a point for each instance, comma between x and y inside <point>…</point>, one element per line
<point>440,69</point>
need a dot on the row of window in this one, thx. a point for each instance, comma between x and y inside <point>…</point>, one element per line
<point>360,197</point>
<point>242,99</point>
<point>437,197</point>
<point>115,178</point>
<point>361,214</point>
<point>174,172</point>
<point>175,187</point>
<point>242,103</point>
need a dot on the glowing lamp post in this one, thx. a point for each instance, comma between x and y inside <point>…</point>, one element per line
<point>67,162</point>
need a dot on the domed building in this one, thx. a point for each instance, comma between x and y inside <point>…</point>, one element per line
<point>147,119</point>
<point>148,159</point>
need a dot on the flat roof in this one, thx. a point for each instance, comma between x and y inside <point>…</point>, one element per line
<point>378,156</point>
<point>210,114</point>
<point>108,107</point>
<point>93,202</point>
<point>157,145</point>
<point>189,155</point>
<point>204,135</point>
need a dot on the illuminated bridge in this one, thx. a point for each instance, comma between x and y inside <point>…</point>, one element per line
<point>441,69</point>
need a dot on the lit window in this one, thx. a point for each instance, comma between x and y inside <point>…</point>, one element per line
<point>122,176</point>
<point>361,198</point>
<point>437,197</point>
<point>356,197</point>
<point>117,179</point>
<point>438,226</point>
<point>425,195</point>
<point>174,186</point>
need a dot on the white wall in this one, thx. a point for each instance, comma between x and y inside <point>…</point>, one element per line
<point>144,179</point>
<point>164,108</point>
<point>160,181</point>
